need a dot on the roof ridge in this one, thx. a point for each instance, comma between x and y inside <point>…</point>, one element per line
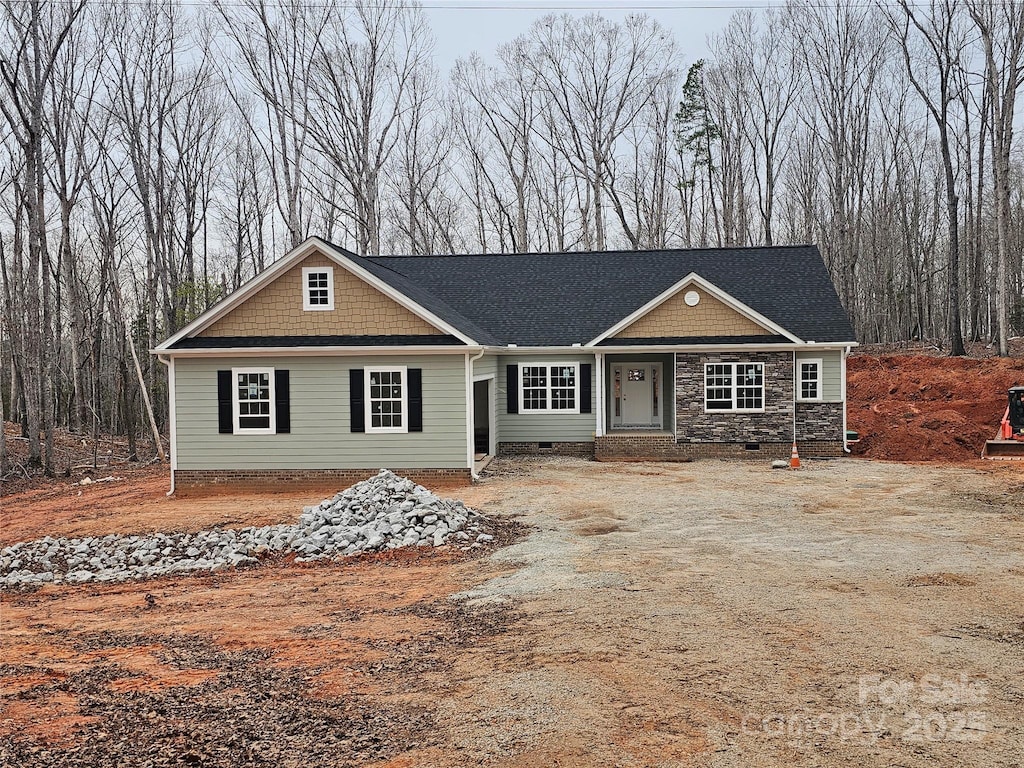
<point>381,258</point>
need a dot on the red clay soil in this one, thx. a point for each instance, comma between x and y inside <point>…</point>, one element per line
<point>917,408</point>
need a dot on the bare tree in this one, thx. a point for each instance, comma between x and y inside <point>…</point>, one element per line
<point>505,101</point>
<point>841,49</point>
<point>943,41</point>
<point>1001,26</point>
<point>358,83</point>
<point>598,77</point>
<point>277,44</point>
<point>37,32</point>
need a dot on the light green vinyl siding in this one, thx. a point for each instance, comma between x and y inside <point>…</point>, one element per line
<point>320,435</point>
<point>543,427</point>
<point>831,372</point>
<point>485,366</point>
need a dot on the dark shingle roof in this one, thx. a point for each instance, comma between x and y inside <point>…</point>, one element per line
<point>567,298</point>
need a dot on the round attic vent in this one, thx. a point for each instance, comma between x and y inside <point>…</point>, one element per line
<point>692,298</point>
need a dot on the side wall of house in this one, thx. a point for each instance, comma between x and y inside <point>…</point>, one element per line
<point>568,433</point>
<point>321,436</point>
<point>818,422</point>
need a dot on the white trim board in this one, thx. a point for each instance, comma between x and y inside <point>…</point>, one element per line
<point>693,279</point>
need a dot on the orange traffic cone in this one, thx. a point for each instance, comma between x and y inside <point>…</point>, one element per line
<point>794,461</point>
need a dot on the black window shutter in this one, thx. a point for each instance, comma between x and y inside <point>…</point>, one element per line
<point>355,400</point>
<point>415,399</point>
<point>225,417</point>
<point>512,387</point>
<point>282,402</point>
<point>585,387</point>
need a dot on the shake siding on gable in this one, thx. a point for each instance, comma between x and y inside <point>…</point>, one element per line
<point>543,427</point>
<point>674,318</point>
<point>359,310</point>
<point>320,436</point>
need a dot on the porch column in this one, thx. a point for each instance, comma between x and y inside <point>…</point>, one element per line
<point>675,406</point>
<point>599,422</point>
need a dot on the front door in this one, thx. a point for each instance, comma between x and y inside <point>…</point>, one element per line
<point>638,395</point>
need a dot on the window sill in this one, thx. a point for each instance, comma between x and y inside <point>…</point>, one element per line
<point>734,410</point>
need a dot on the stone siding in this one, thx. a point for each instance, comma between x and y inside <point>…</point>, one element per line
<point>774,425</point>
<point>819,421</point>
<point>196,482</point>
<point>674,317</point>
<point>359,310</point>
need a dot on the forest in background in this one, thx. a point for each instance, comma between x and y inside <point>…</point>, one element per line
<point>156,155</point>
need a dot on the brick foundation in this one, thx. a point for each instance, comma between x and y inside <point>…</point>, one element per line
<point>196,482</point>
<point>579,450</point>
<point>664,448</point>
<point>629,447</point>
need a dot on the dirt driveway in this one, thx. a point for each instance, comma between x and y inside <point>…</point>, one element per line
<point>706,614</point>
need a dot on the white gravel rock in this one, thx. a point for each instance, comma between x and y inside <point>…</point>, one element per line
<point>383,512</point>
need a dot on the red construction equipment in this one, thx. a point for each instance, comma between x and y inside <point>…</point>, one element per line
<point>794,459</point>
<point>1009,440</point>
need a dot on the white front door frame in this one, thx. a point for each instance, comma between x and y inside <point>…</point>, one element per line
<point>656,419</point>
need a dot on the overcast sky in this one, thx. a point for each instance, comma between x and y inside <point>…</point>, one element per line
<point>464,26</point>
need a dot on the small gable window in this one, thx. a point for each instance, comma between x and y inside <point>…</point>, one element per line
<point>317,288</point>
<point>809,381</point>
<point>550,388</point>
<point>734,387</point>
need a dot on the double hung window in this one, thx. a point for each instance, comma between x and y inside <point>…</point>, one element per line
<point>253,400</point>
<point>734,387</point>
<point>550,387</point>
<point>387,400</point>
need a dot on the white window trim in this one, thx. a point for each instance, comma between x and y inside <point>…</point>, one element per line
<point>272,429</point>
<point>818,380</point>
<point>306,272</point>
<point>576,394</point>
<point>734,409</point>
<point>368,402</point>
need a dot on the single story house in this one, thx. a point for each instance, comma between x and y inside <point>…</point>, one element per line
<point>329,365</point>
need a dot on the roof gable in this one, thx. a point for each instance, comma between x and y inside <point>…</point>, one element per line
<point>385,304</point>
<point>693,308</point>
<point>359,309</point>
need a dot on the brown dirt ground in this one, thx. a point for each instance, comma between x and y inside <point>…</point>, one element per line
<point>921,408</point>
<point>650,618</point>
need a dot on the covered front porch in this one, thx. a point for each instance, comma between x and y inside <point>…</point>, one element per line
<point>636,401</point>
<point>636,394</point>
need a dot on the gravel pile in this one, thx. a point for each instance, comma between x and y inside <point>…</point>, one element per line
<point>383,512</point>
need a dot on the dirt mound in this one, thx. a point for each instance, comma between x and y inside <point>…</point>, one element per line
<point>917,408</point>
